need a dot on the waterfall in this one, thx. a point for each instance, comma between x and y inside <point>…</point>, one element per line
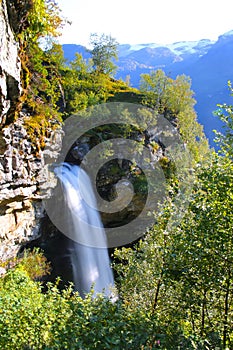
<point>89,254</point>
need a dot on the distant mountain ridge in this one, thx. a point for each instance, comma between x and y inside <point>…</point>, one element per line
<point>180,48</point>
<point>208,63</point>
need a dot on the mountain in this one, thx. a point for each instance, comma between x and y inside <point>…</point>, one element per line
<point>136,59</point>
<point>208,63</point>
<point>71,49</point>
<point>210,74</point>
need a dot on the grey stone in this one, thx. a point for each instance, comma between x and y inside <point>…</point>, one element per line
<point>10,84</point>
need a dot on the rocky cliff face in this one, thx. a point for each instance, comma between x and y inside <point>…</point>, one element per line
<point>21,167</point>
<point>22,176</point>
<point>10,85</point>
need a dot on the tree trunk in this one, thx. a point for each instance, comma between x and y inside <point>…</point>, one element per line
<point>157,293</point>
<point>203,313</point>
<point>226,311</point>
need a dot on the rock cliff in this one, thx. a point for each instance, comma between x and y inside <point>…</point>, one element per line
<point>21,166</point>
<point>10,66</point>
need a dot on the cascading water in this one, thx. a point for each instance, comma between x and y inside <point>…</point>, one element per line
<point>89,256</point>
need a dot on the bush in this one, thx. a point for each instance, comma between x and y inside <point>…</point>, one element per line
<point>33,319</point>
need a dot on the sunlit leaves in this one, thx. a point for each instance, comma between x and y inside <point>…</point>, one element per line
<point>44,20</point>
<point>173,98</point>
<point>183,272</point>
<point>35,319</point>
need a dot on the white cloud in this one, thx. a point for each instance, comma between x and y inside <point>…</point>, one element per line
<point>162,21</point>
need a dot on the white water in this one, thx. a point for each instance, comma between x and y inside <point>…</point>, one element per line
<point>89,255</point>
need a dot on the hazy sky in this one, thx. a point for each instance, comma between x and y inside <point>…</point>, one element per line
<point>146,21</point>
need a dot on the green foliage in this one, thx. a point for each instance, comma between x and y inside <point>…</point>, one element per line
<point>41,81</point>
<point>44,89</point>
<point>142,285</point>
<point>168,96</point>
<point>175,285</point>
<point>21,302</point>
<point>33,319</point>
<point>204,253</point>
<point>182,269</point>
<point>174,100</point>
<point>182,272</point>
<point>43,20</point>
<point>83,87</point>
<point>43,92</point>
<point>33,263</point>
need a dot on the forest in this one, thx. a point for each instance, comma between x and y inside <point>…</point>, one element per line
<point>175,283</point>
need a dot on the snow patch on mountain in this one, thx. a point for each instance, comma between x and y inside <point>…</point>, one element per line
<point>191,47</point>
<point>181,48</point>
<point>230,33</point>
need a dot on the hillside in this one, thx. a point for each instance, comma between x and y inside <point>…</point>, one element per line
<point>208,63</point>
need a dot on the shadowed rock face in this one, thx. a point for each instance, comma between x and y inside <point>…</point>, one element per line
<point>118,175</point>
<point>10,66</point>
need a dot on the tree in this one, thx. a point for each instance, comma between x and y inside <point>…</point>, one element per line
<point>173,98</point>
<point>104,50</point>
<point>183,273</point>
<point>203,253</point>
<point>154,86</point>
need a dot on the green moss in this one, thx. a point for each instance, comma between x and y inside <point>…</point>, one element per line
<point>38,127</point>
<point>131,96</point>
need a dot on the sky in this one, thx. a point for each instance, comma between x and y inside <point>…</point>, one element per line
<point>146,21</point>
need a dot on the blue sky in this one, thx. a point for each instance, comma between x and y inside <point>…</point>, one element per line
<point>146,21</point>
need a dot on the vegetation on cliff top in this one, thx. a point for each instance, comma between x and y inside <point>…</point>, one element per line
<point>54,89</point>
